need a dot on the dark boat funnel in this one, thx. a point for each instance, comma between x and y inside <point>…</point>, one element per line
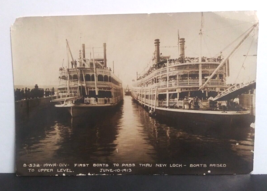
<point>157,51</point>
<point>182,53</point>
<point>105,56</point>
<point>83,51</point>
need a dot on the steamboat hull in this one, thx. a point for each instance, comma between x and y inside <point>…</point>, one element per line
<point>202,118</point>
<point>88,110</point>
<point>211,119</point>
<point>128,93</point>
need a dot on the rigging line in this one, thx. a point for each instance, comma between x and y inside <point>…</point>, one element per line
<point>245,58</point>
<point>229,43</point>
<point>193,51</point>
<point>213,39</point>
<point>227,26</point>
<point>192,41</point>
<point>237,39</point>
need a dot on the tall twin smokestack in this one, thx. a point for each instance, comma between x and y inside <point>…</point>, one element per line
<point>182,49</point>
<point>157,50</point>
<point>105,54</point>
<point>182,53</point>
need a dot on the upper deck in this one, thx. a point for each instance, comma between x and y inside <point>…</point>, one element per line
<point>87,76</point>
<point>184,73</point>
<point>176,74</point>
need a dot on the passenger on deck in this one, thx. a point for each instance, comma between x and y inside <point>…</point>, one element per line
<point>196,106</point>
<point>223,106</point>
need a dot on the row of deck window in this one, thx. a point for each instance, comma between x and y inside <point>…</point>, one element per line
<point>89,77</point>
<point>185,77</point>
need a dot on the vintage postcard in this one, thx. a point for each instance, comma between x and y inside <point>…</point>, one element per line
<point>165,94</point>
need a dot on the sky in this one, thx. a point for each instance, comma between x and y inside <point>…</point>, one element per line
<point>39,43</point>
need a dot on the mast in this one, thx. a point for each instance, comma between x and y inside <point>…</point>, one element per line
<point>167,91</point>
<point>225,59</point>
<point>96,90</point>
<point>68,79</point>
<point>155,100</point>
<point>200,52</point>
<point>69,50</point>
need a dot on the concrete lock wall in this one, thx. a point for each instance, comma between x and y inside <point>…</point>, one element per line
<point>247,101</point>
<point>25,108</point>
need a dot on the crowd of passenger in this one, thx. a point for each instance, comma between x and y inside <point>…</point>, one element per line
<point>36,92</point>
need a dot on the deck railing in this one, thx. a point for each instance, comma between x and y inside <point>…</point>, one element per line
<point>94,101</point>
<point>190,82</point>
<point>216,82</point>
<point>66,95</point>
<point>174,103</point>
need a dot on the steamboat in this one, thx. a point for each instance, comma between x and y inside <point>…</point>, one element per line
<point>192,89</point>
<point>127,91</point>
<point>88,86</point>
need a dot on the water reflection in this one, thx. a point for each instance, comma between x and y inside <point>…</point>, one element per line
<point>129,134</point>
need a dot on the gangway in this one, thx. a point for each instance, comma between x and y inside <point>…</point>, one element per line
<point>234,90</point>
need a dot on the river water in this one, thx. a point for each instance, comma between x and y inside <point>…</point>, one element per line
<point>128,135</point>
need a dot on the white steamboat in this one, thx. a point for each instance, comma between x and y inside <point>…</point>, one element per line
<point>88,86</point>
<point>191,89</point>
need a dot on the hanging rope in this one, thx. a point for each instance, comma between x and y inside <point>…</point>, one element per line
<point>237,38</point>
<point>191,42</point>
<point>243,67</point>
<point>230,26</point>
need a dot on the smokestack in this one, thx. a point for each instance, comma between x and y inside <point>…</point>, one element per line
<point>83,51</point>
<point>182,54</point>
<point>105,56</point>
<point>157,50</point>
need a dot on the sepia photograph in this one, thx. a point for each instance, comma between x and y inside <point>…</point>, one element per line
<point>141,94</point>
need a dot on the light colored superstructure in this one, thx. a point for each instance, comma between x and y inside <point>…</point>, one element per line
<point>88,85</point>
<point>186,87</point>
<point>173,80</point>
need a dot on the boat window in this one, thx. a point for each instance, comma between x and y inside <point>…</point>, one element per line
<point>75,77</point>
<point>87,77</point>
<point>106,78</point>
<point>100,77</point>
<point>93,77</point>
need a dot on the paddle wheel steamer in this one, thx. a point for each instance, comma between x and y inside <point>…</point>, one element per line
<point>191,89</point>
<point>88,85</point>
